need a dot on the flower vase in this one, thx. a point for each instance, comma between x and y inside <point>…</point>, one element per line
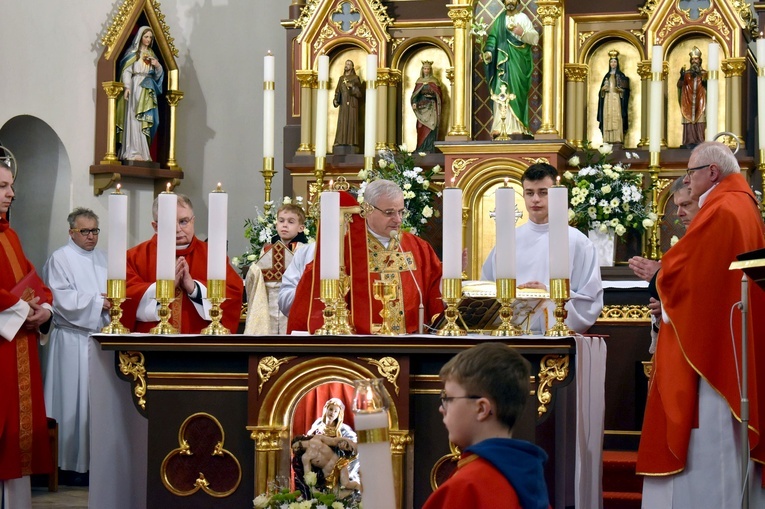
<point>605,245</point>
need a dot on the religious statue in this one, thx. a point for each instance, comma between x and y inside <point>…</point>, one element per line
<point>613,101</point>
<point>508,60</point>
<point>426,103</point>
<point>331,421</point>
<point>137,114</point>
<point>692,88</point>
<point>347,95</point>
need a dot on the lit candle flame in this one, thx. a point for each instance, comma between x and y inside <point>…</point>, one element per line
<point>507,179</point>
<point>557,180</point>
<point>220,187</point>
<point>453,181</point>
<point>269,53</point>
<point>331,184</point>
<point>168,187</point>
<point>119,188</point>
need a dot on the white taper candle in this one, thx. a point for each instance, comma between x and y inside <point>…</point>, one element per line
<point>117,245</point>
<point>217,227</point>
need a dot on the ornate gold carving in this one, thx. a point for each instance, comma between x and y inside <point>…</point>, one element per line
<point>365,33</point>
<point>381,13</point>
<point>631,313</point>
<point>450,74</point>
<point>639,34</point>
<point>399,441</point>
<point>548,13</point>
<point>268,367</point>
<point>388,367</point>
<point>448,40</point>
<point>687,12</point>
<point>745,13</point>
<point>460,17</point>
<point>644,69</point>
<point>306,78</point>
<point>648,368</point>
<point>583,36</point>
<point>396,42</point>
<point>575,72</point>
<point>123,15</point>
<point>716,20</point>
<point>326,32</point>
<point>649,7</point>
<point>339,10</point>
<point>268,438</point>
<point>734,67</point>
<point>131,363</point>
<point>551,368</point>
<point>673,20</point>
<point>535,160</point>
<point>189,458</point>
<point>307,12</point>
<point>460,165</point>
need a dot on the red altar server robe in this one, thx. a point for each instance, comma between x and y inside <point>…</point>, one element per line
<point>142,272</point>
<point>697,292</point>
<point>24,446</point>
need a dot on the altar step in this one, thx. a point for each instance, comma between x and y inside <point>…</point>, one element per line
<point>622,488</point>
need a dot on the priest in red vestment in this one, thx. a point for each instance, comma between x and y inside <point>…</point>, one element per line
<point>25,305</point>
<point>190,309</point>
<point>374,249</point>
<point>688,447</point>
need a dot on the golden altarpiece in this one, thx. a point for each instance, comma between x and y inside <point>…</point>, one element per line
<point>262,379</point>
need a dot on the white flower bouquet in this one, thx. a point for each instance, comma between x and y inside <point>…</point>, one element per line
<point>606,197</point>
<point>284,498</point>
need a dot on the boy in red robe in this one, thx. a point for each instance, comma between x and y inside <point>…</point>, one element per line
<point>485,391</point>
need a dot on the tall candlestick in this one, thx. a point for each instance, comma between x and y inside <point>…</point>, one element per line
<point>505,222</point>
<point>217,226</point>
<point>322,103</point>
<point>761,92</point>
<point>268,105</point>
<point>167,222</point>
<point>654,112</point>
<point>713,91</point>
<point>370,119</point>
<point>557,202</point>
<point>452,233</point>
<point>117,244</point>
<point>329,244</point>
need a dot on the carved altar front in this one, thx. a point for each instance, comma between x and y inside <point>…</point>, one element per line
<point>240,394</point>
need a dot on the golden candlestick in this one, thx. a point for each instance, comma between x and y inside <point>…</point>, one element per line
<point>165,290</point>
<point>385,292</point>
<point>653,169</point>
<point>216,294</point>
<point>761,167</point>
<point>506,296</point>
<point>451,294</point>
<point>268,173</point>
<point>330,294</point>
<point>115,294</point>
<point>318,172</point>
<point>559,292</point>
<point>344,327</point>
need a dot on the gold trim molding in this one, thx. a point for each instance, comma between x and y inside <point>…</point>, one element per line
<point>576,72</point>
<point>132,364</point>
<point>388,367</point>
<point>123,15</point>
<point>459,165</point>
<point>734,67</point>
<point>268,367</point>
<point>551,368</point>
<point>630,314</point>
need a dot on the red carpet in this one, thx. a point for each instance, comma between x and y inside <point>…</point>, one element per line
<point>621,487</point>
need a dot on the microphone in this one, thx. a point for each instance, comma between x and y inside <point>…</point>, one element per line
<point>394,235</point>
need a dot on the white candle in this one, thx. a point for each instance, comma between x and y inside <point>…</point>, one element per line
<point>167,222</point>
<point>268,105</point>
<point>657,58</point>
<point>117,244</point>
<point>452,233</point>
<point>370,119</point>
<point>329,232</point>
<point>375,463</point>
<point>761,92</point>
<point>656,96</point>
<point>557,202</point>
<point>322,103</point>
<point>504,215</point>
<point>217,226</point>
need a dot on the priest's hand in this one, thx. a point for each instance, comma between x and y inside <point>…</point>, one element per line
<point>643,267</point>
<point>107,303</point>
<point>534,284</point>
<point>183,277</point>
<point>655,306</point>
<point>37,316</point>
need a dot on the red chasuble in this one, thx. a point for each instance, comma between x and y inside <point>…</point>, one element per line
<point>366,261</point>
<point>697,292</point>
<point>24,447</point>
<point>142,272</point>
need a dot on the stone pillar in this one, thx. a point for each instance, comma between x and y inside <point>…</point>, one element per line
<point>644,71</point>
<point>307,79</point>
<point>113,89</point>
<point>394,81</point>
<point>383,79</point>
<point>576,104</point>
<point>733,68</point>
<point>173,98</point>
<point>549,11</point>
<point>461,15</point>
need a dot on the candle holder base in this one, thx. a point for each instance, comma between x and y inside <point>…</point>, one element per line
<point>165,290</point>
<point>506,296</point>
<point>330,294</point>
<point>115,294</point>
<point>559,293</point>
<point>216,294</point>
<point>451,295</point>
<point>386,293</point>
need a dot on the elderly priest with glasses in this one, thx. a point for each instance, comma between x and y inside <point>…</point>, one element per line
<point>374,249</point>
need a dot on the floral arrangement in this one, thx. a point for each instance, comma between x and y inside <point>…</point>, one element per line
<point>259,231</point>
<point>419,189</point>
<point>479,31</point>
<point>283,498</point>
<point>606,197</point>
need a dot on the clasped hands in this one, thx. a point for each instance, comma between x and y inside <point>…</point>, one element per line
<point>183,277</point>
<point>37,315</point>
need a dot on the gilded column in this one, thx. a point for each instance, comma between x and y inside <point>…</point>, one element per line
<point>173,98</point>
<point>449,73</point>
<point>381,138</point>
<point>576,77</point>
<point>549,11</point>
<point>461,16</point>
<point>644,71</point>
<point>268,446</point>
<point>113,89</point>
<point>399,442</point>
<point>733,68</point>
<point>394,81</point>
<point>307,79</point>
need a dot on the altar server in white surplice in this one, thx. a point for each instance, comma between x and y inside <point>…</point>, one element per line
<point>533,258</point>
<point>76,274</point>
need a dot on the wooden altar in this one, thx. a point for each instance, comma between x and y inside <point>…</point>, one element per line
<point>245,389</point>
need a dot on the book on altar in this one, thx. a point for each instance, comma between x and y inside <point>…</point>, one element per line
<point>29,287</point>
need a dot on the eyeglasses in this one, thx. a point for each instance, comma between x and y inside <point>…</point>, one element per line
<point>403,213</point>
<point>85,231</point>
<point>446,399</point>
<point>183,223</point>
<point>697,168</point>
